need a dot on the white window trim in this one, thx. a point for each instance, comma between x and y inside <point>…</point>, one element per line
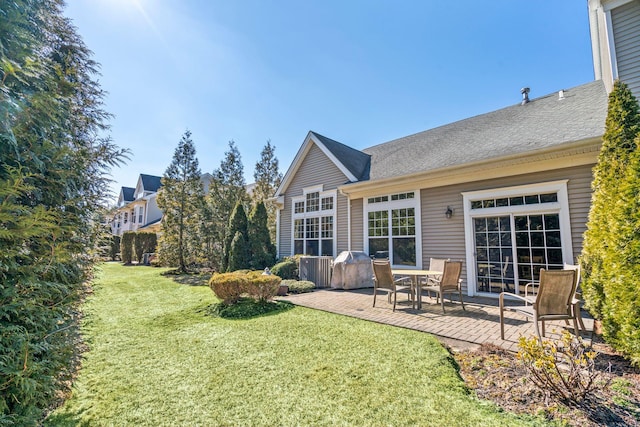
<point>561,207</point>
<point>315,214</point>
<point>396,204</point>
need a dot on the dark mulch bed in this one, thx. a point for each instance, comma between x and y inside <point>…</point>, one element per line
<point>496,375</point>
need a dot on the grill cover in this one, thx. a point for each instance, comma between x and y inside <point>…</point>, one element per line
<point>352,270</point>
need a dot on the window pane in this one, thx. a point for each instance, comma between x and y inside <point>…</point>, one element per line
<point>553,239</point>
<point>531,200</point>
<point>378,224</point>
<point>404,251</point>
<point>537,239</point>
<point>480,224</point>
<point>312,248</point>
<point>313,202</point>
<point>327,203</point>
<point>481,239</point>
<point>327,227</point>
<point>535,222</point>
<point>327,248</point>
<point>378,245</point>
<point>299,207</point>
<point>502,202</point>
<point>298,247</point>
<point>476,204</point>
<point>522,223</point>
<point>548,198</point>
<point>298,229</point>
<point>488,203</point>
<point>552,222</point>
<point>516,201</point>
<point>313,228</point>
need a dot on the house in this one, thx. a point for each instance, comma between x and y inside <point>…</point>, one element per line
<point>508,192</point>
<point>137,208</point>
<point>615,41</point>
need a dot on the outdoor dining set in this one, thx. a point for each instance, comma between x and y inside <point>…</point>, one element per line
<point>553,297</point>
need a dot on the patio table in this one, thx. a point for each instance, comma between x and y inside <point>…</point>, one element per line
<point>415,274</point>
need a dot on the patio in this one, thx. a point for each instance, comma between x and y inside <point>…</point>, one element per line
<point>458,329</point>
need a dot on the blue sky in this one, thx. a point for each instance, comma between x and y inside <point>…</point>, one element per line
<point>361,72</point>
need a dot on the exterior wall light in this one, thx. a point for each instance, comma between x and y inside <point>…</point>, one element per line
<point>449,212</point>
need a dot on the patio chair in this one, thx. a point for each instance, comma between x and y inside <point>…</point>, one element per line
<point>576,302</point>
<point>383,280</point>
<point>552,302</point>
<point>449,283</point>
<point>435,264</point>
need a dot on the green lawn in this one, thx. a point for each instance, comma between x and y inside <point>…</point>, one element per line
<point>156,358</point>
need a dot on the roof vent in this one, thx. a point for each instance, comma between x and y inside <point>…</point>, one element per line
<point>525,95</point>
<point>560,95</point>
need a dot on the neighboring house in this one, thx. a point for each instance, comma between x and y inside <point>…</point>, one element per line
<point>137,208</point>
<point>615,40</point>
<point>508,192</point>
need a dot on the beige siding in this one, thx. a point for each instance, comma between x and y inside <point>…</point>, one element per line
<point>444,238</point>
<point>626,35</point>
<point>358,221</point>
<point>316,168</point>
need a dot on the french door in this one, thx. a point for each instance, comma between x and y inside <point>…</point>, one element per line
<point>511,249</point>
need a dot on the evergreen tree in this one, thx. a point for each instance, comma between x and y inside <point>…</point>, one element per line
<point>237,225</point>
<point>599,258</point>
<point>226,190</point>
<point>621,304</point>
<point>239,257</point>
<point>263,252</point>
<point>267,180</point>
<point>54,163</point>
<point>180,199</point>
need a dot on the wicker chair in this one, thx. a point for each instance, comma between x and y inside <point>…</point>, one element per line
<point>553,300</point>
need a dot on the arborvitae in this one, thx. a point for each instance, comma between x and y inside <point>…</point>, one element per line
<point>126,246</point>
<point>237,224</point>
<point>263,252</point>
<point>238,253</point>
<point>180,199</point>
<point>600,260</point>
<point>54,164</point>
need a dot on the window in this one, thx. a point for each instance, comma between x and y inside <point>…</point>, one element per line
<point>140,214</point>
<point>313,223</point>
<point>133,216</point>
<point>526,229</point>
<point>391,228</point>
<point>126,217</point>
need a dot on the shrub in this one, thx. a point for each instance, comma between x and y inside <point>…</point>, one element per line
<point>287,269</point>
<point>565,370</point>
<point>115,247</point>
<point>299,286</point>
<point>126,247</point>
<point>144,242</point>
<point>228,286</point>
<point>262,287</point>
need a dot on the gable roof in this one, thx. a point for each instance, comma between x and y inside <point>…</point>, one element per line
<point>126,194</point>
<point>352,163</point>
<point>540,124</point>
<point>150,182</point>
<point>355,161</point>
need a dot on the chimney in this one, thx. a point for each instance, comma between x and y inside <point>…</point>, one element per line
<point>525,95</point>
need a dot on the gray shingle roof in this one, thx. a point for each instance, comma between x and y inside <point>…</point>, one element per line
<point>150,182</point>
<point>543,123</point>
<point>355,161</point>
<point>127,193</point>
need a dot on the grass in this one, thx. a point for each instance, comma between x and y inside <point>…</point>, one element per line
<point>157,358</point>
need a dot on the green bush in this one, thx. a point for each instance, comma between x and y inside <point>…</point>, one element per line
<point>287,269</point>
<point>126,246</point>
<point>115,247</point>
<point>144,242</point>
<point>299,286</point>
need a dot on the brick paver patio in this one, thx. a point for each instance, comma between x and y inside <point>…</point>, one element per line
<point>457,328</point>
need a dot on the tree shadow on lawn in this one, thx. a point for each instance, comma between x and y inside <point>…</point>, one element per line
<point>247,308</point>
<point>195,279</point>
